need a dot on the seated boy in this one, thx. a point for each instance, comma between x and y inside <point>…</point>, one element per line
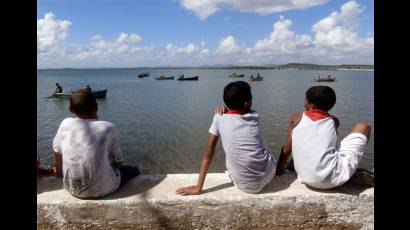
<point>312,137</point>
<point>87,151</point>
<point>249,163</point>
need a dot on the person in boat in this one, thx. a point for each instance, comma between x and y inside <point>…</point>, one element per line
<point>251,77</point>
<point>258,76</point>
<point>250,164</point>
<point>312,140</point>
<point>88,88</point>
<point>59,89</point>
<point>87,152</point>
<point>43,170</point>
<point>328,76</point>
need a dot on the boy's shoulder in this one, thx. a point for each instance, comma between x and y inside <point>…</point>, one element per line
<point>70,120</point>
<point>252,117</point>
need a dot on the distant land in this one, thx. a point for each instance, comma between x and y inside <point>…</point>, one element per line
<point>289,66</point>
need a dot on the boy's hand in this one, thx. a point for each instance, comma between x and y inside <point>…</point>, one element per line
<point>220,110</point>
<point>191,190</point>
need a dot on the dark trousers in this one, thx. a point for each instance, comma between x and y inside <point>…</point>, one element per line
<point>128,172</point>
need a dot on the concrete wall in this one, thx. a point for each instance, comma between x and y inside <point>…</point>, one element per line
<point>150,202</point>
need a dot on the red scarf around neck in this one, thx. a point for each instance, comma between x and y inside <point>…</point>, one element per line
<point>316,114</point>
<point>235,111</point>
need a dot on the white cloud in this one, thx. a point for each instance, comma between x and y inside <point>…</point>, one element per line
<point>228,46</point>
<point>189,49</point>
<point>347,17</point>
<point>135,38</point>
<point>334,33</point>
<point>282,40</point>
<point>51,33</point>
<point>123,38</point>
<point>333,41</point>
<point>205,8</point>
<point>204,52</point>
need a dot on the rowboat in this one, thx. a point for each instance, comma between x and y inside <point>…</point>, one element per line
<point>142,75</point>
<point>188,78</point>
<point>97,94</point>
<point>324,79</point>
<point>164,78</point>
<point>237,75</point>
<point>256,79</point>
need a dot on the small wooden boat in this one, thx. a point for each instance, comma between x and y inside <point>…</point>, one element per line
<point>326,79</point>
<point>237,75</point>
<point>256,78</point>
<point>182,78</point>
<point>164,78</point>
<point>142,75</point>
<point>97,94</point>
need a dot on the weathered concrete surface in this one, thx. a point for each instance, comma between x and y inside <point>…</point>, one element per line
<point>150,202</point>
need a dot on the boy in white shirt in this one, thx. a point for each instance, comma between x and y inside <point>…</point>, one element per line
<point>312,140</point>
<point>87,151</point>
<point>249,163</point>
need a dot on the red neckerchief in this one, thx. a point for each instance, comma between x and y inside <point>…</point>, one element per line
<point>235,111</point>
<point>316,114</point>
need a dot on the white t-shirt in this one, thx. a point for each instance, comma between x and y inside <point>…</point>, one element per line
<point>319,161</point>
<point>248,161</point>
<point>88,146</point>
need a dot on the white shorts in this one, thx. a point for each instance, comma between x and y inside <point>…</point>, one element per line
<point>349,156</point>
<point>266,181</point>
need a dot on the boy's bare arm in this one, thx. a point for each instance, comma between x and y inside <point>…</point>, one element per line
<point>58,164</point>
<point>206,161</point>
<point>287,147</point>
<point>337,123</point>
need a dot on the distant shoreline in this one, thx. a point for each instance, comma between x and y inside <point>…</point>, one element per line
<point>234,68</point>
<point>289,66</point>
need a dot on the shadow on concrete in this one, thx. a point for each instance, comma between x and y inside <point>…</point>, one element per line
<point>349,188</point>
<point>218,187</point>
<point>279,183</point>
<point>138,185</point>
<point>48,184</point>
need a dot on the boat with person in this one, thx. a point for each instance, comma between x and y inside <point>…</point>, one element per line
<point>257,78</point>
<point>162,77</point>
<point>326,79</point>
<point>237,75</point>
<point>96,93</point>
<point>142,75</point>
<point>183,78</point>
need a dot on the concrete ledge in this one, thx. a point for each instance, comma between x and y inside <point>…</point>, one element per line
<point>150,202</point>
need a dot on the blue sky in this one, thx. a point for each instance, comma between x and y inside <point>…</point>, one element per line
<point>179,23</point>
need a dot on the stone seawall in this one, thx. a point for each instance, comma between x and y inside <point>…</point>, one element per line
<point>150,202</point>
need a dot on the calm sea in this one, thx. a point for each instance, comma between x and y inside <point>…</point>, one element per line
<point>163,125</point>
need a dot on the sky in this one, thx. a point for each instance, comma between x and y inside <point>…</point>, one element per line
<point>149,33</point>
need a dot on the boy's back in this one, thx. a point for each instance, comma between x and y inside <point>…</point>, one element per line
<point>88,147</point>
<point>312,140</point>
<point>248,161</point>
<point>314,149</point>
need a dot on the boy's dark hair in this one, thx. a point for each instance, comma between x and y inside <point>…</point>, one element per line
<point>236,94</point>
<point>322,96</point>
<point>82,102</point>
